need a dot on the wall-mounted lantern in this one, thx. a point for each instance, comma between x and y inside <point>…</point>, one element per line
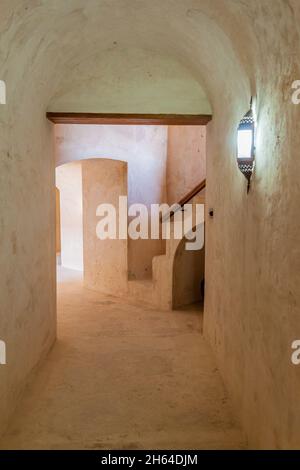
<point>246,145</point>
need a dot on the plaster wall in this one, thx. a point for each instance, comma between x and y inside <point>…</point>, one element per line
<point>143,148</point>
<point>252,253</point>
<point>186,165</point>
<point>27,222</point>
<point>130,80</point>
<point>69,182</point>
<point>105,261</point>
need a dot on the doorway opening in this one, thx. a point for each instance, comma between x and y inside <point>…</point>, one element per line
<point>188,278</point>
<point>147,166</point>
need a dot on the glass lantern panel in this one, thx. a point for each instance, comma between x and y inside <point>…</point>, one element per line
<point>245,139</point>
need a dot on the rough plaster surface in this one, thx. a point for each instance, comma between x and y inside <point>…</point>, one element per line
<point>235,49</point>
<point>105,261</point>
<point>138,358</point>
<point>143,148</point>
<point>158,83</point>
<point>186,164</point>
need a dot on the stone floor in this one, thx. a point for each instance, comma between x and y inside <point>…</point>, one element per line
<point>123,377</point>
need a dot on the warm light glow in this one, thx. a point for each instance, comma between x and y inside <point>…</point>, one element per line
<point>245,138</point>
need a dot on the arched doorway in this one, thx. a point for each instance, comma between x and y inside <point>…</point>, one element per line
<point>188,276</point>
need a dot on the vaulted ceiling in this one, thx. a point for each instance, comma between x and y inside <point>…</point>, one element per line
<point>211,45</point>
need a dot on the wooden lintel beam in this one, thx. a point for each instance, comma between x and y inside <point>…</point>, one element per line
<point>130,119</point>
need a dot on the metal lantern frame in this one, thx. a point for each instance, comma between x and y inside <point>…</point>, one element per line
<point>246,165</point>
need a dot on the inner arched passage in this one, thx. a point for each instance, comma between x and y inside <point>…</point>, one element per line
<point>188,276</point>
<point>83,186</point>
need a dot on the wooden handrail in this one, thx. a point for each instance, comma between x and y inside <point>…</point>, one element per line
<point>192,193</point>
<point>187,198</point>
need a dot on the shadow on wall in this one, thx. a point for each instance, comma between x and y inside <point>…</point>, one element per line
<point>188,276</point>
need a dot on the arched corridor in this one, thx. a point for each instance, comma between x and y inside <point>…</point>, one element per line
<point>224,67</point>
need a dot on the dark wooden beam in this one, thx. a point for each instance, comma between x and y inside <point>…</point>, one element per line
<point>133,119</point>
